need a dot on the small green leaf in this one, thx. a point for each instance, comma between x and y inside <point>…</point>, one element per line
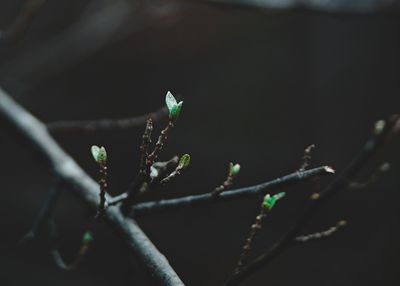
<point>87,237</point>
<point>99,154</point>
<point>270,201</point>
<point>170,101</point>
<point>184,161</point>
<point>175,111</point>
<point>234,169</point>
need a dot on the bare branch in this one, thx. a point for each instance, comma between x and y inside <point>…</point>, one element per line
<point>247,192</point>
<point>377,139</point>
<point>105,124</point>
<point>68,170</point>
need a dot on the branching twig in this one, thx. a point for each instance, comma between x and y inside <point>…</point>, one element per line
<point>145,177</point>
<point>381,131</point>
<point>106,124</point>
<point>160,143</point>
<point>247,192</point>
<point>159,169</point>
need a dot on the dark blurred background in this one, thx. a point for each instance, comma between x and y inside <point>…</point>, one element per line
<point>259,85</point>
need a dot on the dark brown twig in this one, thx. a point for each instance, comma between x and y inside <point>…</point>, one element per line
<point>144,148</point>
<point>160,143</point>
<point>103,191</point>
<point>106,124</point>
<point>144,177</point>
<point>377,139</point>
<point>321,234</point>
<point>266,206</point>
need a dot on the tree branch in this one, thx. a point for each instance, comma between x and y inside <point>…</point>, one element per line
<point>381,131</point>
<point>68,170</point>
<point>247,192</point>
<point>106,124</point>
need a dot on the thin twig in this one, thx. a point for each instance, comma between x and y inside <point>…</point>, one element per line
<point>377,139</point>
<point>373,178</point>
<point>306,157</point>
<point>105,124</point>
<point>321,234</point>
<point>144,148</point>
<point>69,171</point>
<point>160,143</point>
<point>266,206</point>
<point>247,192</point>
<point>103,190</point>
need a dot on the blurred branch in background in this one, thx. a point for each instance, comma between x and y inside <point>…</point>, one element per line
<point>105,124</point>
<point>22,22</point>
<point>329,6</point>
<point>90,33</point>
<point>109,21</point>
